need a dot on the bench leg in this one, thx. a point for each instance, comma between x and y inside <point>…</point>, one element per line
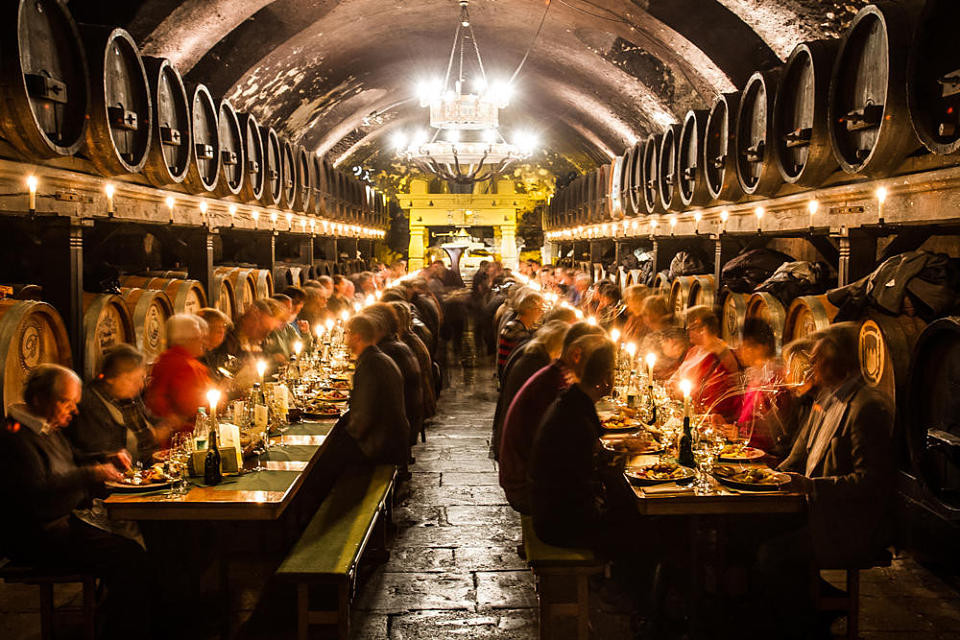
<point>89,608</point>
<point>303,611</point>
<point>46,611</point>
<point>583,607</point>
<point>853,604</point>
<point>343,613</point>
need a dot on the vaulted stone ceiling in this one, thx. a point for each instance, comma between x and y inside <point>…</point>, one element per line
<point>337,75</point>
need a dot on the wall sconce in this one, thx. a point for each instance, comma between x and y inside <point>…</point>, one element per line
<point>759,212</point>
<point>881,194</point>
<point>110,190</point>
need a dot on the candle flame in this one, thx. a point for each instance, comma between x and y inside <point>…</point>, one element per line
<point>297,347</point>
<point>686,387</point>
<point>631,348</point>
<point>881,194</point>
<point>109,189</point>
<point>592,321</point>
<point>261,367</point>
<point>651,359</point>
<point>329,323</point>
<point>32,183</point>
<point>615,335</point>
<point>318,330</point>
<point>344,315</point>
<point>213,397</point>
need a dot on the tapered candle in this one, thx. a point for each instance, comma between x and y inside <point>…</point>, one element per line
<point>686,388</point>
<point>632,352</point>
<point>109,189</point>
<point>213,397</point>
<point>297,348</point>
<point>615,335</point>
<point>651,360</point>
<point>261,369</point>
<point>32,184</point>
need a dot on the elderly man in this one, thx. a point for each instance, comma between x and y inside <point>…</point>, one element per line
<point>520,329</point>
<point>45,494</point>
<point>179,381</point>
<point>245,340</point>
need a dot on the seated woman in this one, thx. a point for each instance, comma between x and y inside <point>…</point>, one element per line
<point>635,329</point>
<point>709,364</point>
<point>111,415</point>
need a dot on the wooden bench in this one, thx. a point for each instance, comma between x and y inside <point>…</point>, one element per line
<point>563,575</point>
<point>46,578</point>
<point>329,550</point>
<point>849,602</point>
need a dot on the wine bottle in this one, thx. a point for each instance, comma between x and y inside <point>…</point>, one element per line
<point>212,474</point>
<point>685,449</point>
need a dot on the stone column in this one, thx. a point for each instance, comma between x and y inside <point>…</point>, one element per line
<point>415,252</point>
<point>508,246</point>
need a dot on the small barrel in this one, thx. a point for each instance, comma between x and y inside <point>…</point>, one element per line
<point>306,180</point>
<point>661,284</point>
<point>756,167</point>
<point>273,167</point>
<point>933,77</point>
<point>886,344</point>
<point>703,291</point>
<point>680,294</point>
<point>149,309</point>
<point>222,295</point>
<point>806,316</point>
<point>768,308</point>
<point>650,173</point>
<point>668,183</point>
<point>106,323</point>
<point>205,165</point>
<point>870,129</point>
<point>264,283</point>
<point>589,195</point>
<point>31,333</point>
<point>187,296</point>
<point>801,133</point>
<point>170,155</point>
<point>287,275</point>
<point>232,158</point>
<point>120,132</point>
<point>288,171</point>
<point>44,89</point>
<point>254,177</point>
<point>244,285</point>
<point>720,161</point>
<point>693,179</point>
<point>733,311</point>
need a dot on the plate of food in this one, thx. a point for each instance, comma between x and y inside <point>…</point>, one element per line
<point>658,473</point>
<point>135,480</point>
<point>338,383</point>
<point>740,453</point>
<point>632,443</point>
<point>751,478</point>
<point>617,422</point>
<point>318,409</point>
<point>332,395</point>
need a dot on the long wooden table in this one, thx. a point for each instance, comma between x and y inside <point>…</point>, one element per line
<point>252,496</point>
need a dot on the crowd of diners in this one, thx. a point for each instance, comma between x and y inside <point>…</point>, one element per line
<point>550,328</point>
<point>69,436</point>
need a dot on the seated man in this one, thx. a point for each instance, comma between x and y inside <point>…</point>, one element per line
<point>179,381</point>
<point>43,488</point>
<point>244,341</point>
<point>218,323</point>
<point>517,331</point>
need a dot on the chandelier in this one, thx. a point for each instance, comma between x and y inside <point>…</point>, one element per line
<point>466,145</point>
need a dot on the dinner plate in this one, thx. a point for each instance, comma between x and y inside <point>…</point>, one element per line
<point>321,416</point>
<point>121,487</point>
<point>634,474</point>
<point>327,398</point>
<point>776,481</point>
<point>747,453</point>
<point>617,444</point>
<point>629,425</point>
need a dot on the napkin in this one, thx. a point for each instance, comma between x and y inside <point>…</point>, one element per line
<point>669,488</point>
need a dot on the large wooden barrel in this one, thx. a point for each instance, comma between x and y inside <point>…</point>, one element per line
<point>768,308</point>
<point>870,129</point>
<point>171,151</point>
<point>288,275</point>
<point>273,167</point>
<point>306,180</point>
<point>801,132</point>
<point>933,81</point>
<point>668,184</point>
<point>106,323</point>
<point>149,309</point>
<point>254,176</point>
<point>244,283</point>
<point>661,285</point>
<point>625,178</point>
<point>222,295</point>
<point>680,294</point>
<point>288,171</point>
<point>205,166</point>
<point>719,155</point>
<point>693,180</point>
<point>232,159</point>
<point>932,405</point>
<point>886,344</point>
<point>733,311</point>
<point>703,291</point>
<point>264,280</point>
<point>120,132</point>
<point>756,168</point>
<point>590,196</point>
<point>633,171</point>
<point>650,173</point>
<point>31,333</point>
<point>44,89</point>
<point>321,199</point>
<point>187,296</point>
<point>807,315</point>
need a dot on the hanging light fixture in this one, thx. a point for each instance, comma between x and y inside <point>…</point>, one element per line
<point>466,146</point>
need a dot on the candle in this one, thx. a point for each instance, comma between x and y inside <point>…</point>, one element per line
<point>378,294</point>
<point>592,321</point>
<point>369,300</point>
<point>881,198</point>
<point>297,347</point>
<point>724,216</point>
<point>32,184</point>
<point>686,388</point>
<point>632,352</point>
<point>256,218</point>
<point>319,331</point>
<point>213,397</point>
<point>759,211</point>
<point>109,189</point>
<point>357,307</point>
<point>651,360</point>
<point>261,369</point>
<point>344,315</point>
<point>615,335</point>
<point>289,221</point>
<point>273,219</point>
<point>812,207</point>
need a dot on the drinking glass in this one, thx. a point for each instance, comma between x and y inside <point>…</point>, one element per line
<point>708,443</point>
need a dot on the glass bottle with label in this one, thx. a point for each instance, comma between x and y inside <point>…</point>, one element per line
<point>212,473</point>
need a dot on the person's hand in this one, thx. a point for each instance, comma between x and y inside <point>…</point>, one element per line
<point>122,459</point>
<point>800,483</point>
<point>107,473</point>
<point>304,326</point>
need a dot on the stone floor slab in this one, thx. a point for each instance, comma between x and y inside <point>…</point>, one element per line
<point>451,496</point>
<point>420,559</point>
<point>468,535</point>
<point>476,514</point>
<point>402,592</point>
<point>433,625</point>
<point>488,559</point>
<point>480,463</point>
<point>413,513</point>
<point>456,479</point>
<point>505,590</point>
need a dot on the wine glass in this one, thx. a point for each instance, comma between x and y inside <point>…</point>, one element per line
<point>708,443</point>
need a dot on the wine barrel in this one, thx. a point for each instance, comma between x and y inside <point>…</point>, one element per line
<point>264,281</point>
<point>205,152</point>
<point>149,309</point>
<point>633,174</point>
<point>589,204</point>
<point>733,311</point>
<point>254,176</point>
<point>807,315</point>
<point>170,155</point>
<point>306,180</point>
<point>801,132</point>
<point>119,133</point>
<point>650,173</point>
<point>756,168</point>
<point>288,171</point>
<point>31,333</point>
<point>702,291</point>
<point>273,167</point>
<point>932,406</point>
<point>320,169</point>
<point>232,159</point>
<point>768,308</point>
<point>626,179</point>
<point>613,208</point>
<point>244,284</point>
<point>719,156</point>
<point>693,180</point>
<point>933,78</point>
<point>680,294</point>
<point>668,184</point>
<point>44,89</point>
<point>288,275</point>
<point>661,284</point>
<point>222,296</point>
<point>870,129</point>
<point>886,344</point>
<point>187,296</point>
<point>106,323</point>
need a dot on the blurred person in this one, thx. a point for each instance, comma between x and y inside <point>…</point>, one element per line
<point>342,298</point>
<point>517,331</point>
<point>326,283</point>
<point>709,365</point>
<point>635,329</point>
<point>314,309</point>
<point>656,313</point>
<point>561,313</point>
<point>419,349</point>
<point>179,381</point>
<point>218,324</point>
<point>365,285</point>
<point>244,341</point>
<point>578,293</point>
<point>610,312</point>
<point>398,269</point>
<point>764,399</point>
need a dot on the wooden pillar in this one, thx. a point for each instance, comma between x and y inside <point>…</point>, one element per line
<point>724,250</point>
<point>199,256</point>
<point>306,249</point>
<point>858,256</point>
<point>61,275</point>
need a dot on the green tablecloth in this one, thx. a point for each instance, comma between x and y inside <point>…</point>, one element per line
<point>290,452</point>
<point>310,428</point>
